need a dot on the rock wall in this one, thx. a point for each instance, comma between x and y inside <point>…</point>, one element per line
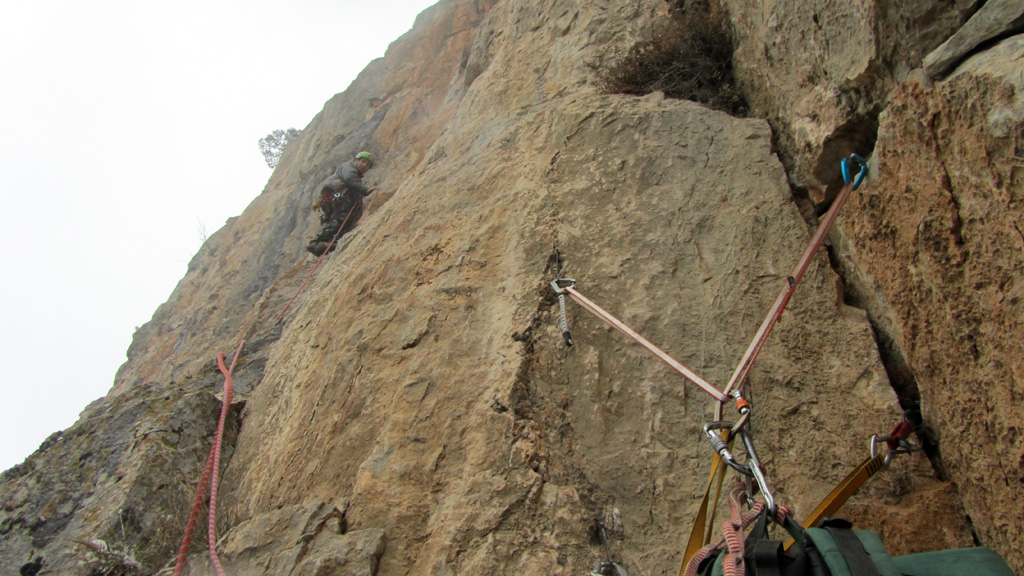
<point>416,412</point>
<point>937,244</point>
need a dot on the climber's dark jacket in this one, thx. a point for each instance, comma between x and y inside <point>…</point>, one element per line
<point>340,189</point>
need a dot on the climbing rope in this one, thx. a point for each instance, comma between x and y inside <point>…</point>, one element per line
<point>193,517</point>
<point>211,470</point>
<point>315,266</point>
<point>732,531</point>
<point>211,473</point>
<point>215,477</point>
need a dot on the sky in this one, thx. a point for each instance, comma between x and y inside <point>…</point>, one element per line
<point>128,133</point>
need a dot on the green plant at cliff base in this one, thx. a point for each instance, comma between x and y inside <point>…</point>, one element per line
<point>687,56</point>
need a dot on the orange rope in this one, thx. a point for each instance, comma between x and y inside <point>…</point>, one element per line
<point>318,260</point>
<point>212,467</point>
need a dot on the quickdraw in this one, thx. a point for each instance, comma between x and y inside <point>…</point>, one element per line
<point>720,432</point>
<point>896,442</point>
<point>608,568</point>
<point>567,287</point>
<point>752,469</point>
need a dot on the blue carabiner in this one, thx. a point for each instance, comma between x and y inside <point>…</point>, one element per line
<point>860,175</point>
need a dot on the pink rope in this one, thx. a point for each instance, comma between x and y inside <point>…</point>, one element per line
<point>229,388</point>
<point>732,540</point>
<point>193,517</point>
<point>211,474</point>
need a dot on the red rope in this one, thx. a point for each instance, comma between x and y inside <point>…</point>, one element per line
<point>193,517</point>
<point>211,474</point>
<point>310,275</point>
<point>212,467</point>
<point>732,540</point>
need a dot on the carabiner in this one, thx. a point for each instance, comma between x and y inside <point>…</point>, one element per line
<point>856,180</point>
<point>560,284</point>
<point>753,466</point>
<point>903,447</point>
<point>720,445</point>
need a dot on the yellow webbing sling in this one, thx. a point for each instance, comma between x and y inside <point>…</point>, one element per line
<point>700,535</point>
<point>842,492</point>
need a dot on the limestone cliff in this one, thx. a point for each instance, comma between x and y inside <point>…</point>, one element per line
<point>415,410</point>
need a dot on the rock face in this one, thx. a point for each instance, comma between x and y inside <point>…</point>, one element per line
<point>938,241</point>
<point>415,410</point>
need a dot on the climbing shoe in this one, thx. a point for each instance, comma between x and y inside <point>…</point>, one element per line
<point>317,248</point>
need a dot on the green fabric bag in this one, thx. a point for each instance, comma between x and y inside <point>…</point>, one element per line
<point>846,552</point>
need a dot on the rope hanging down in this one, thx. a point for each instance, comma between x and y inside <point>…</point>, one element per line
<point>211,473</point>
<point>318,260</point>
<point>211,469</point>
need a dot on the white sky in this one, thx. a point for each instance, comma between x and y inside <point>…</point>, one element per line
<point>126,128</point>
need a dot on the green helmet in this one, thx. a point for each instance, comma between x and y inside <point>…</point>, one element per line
<point>365,156</point>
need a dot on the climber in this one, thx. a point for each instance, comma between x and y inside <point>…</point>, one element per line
<point>340,197</point>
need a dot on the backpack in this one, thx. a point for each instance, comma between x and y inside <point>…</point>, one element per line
<point>835,549</point>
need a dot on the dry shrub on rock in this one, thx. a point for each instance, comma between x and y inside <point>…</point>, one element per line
<point>687,56</point>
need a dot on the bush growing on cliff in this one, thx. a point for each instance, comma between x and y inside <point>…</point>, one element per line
<point>688,56</point>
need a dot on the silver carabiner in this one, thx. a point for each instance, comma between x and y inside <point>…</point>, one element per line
<point>753,466</point>
<point>905,447</point>
<point>560,284</point>
<point>756,471</point>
